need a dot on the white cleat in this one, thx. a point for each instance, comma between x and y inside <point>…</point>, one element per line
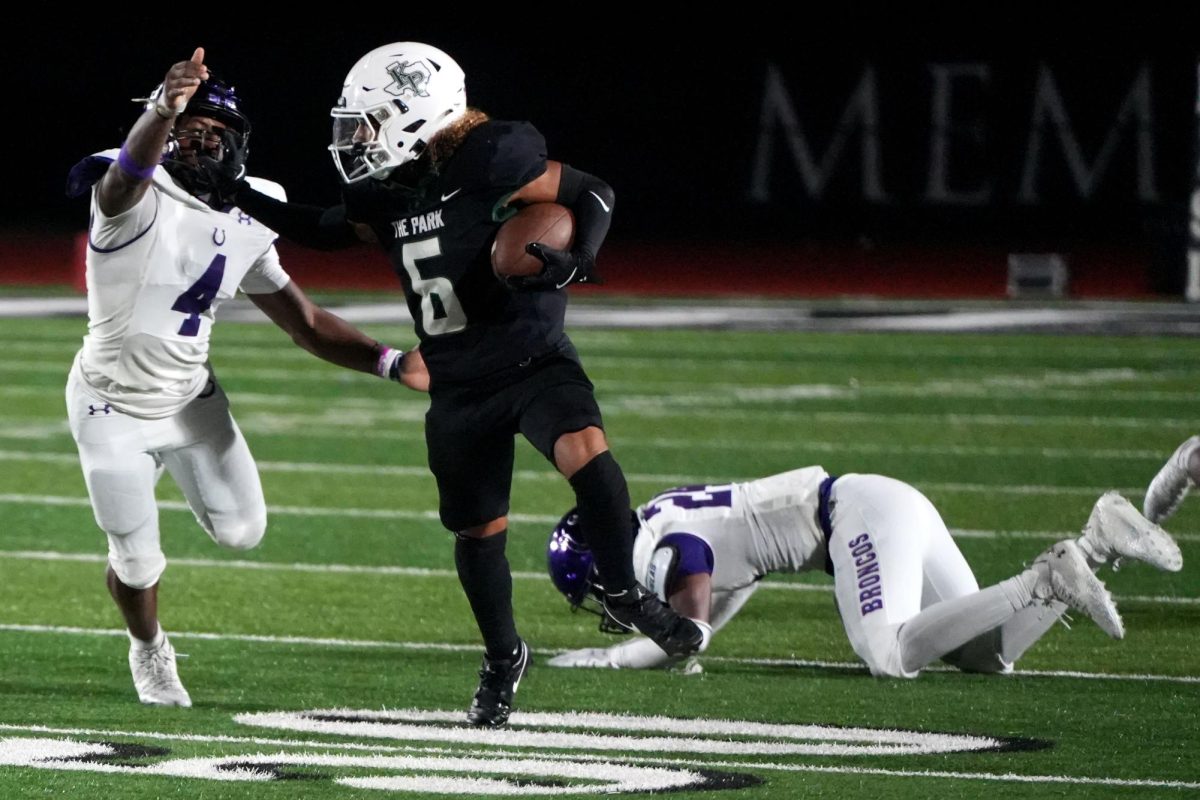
<point>1065,575</point>
<point>1171,484</point>
<point>1116,530</point>
<point>154,675</point>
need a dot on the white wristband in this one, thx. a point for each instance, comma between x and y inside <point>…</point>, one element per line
<point>706,632</point>
<point>387,366</point>
<point>160,104</point>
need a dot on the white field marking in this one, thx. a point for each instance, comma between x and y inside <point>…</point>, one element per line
<point>1047,385</point>
<point>660,479</point>
<point>703,764</point>
<point>345,424</point>
<point>308,641</point>
<point>299,511</point>
<point>1028,673</point>
<point>800,347</point>
<point>263,425</point>
<point>430,572</point>
<point>35,430</point>
<point>659,408</point>
<point>1007,777</point>
<point>70,755</point>
<point>684,735</point>
<point>375,644</point>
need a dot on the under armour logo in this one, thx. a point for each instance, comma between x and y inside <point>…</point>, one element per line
<point>410,77</point>
<point>244,218</point>
<point>103,408</point>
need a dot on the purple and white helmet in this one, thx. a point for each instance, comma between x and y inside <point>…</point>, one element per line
<point>569,560</point>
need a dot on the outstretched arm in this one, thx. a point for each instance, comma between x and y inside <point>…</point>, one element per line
<point>310,226</point>
<point>691,595</point>
<point>128,178</point>
<point>331,338</point>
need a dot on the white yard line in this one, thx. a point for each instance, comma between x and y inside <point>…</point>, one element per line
<point>429,572</point>
<point>65,630</point>
<point>1008,777</point>
<point>662,480</point>
<point>482,750</point>
<point>302,511</point>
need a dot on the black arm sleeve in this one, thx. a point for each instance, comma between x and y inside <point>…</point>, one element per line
<point>591,200</point>
<point>310,226</point>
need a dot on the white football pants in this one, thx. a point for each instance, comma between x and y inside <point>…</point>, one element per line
<point>123,457</point>
<point>892,556</point>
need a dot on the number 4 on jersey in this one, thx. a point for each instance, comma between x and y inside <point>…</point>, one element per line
<point>199,296</point>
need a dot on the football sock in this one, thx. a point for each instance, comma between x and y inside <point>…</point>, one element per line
<point>486,580</point>
<point>602,498</point>
<point>1028,625</point>
<point>153,644</point>
<point>948,625</point>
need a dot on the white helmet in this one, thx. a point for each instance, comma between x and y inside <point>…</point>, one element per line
<point>393,101</point>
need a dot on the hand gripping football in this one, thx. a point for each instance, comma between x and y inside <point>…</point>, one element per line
<point>549,223</point>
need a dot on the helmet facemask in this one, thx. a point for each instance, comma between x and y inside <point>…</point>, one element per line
<point>206,152</point>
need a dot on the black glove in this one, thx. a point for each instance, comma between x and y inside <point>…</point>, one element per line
<point>561,269</point>
<point>228,175</point>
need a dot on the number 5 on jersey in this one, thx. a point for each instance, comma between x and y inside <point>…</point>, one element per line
<point>440,309</point>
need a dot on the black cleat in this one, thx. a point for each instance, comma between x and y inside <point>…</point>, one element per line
<point>641,610</point>
<point>498,682</point>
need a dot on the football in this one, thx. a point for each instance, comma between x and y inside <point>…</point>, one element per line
<point>549,223</point>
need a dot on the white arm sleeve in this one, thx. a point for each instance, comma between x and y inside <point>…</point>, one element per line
<point>726,604</point>
<point>642,653</point>
<point>266,276</point>
<point>111,233</point>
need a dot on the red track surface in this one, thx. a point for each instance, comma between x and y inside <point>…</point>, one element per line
<point>684,269</point>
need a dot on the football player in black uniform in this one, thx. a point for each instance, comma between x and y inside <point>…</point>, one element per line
<point>431,180</point>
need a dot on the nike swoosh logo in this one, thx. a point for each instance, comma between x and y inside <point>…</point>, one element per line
<point>446,197</point>
<point>599,200</point>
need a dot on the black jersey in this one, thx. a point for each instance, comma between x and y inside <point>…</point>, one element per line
<point>439,236</point>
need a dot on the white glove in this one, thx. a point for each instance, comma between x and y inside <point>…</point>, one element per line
<point>587,657</point>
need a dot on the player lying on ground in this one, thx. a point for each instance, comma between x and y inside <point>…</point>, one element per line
<point>904,591</point>
<point>165,247</point>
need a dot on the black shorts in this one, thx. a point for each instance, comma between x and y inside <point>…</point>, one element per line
<point>470,430</point>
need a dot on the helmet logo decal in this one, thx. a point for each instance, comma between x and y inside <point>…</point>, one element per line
<point>410,77</point>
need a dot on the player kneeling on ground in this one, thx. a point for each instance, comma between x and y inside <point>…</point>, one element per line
<point>904,591</point>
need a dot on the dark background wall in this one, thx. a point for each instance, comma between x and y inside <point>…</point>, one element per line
<point>1010,134</point>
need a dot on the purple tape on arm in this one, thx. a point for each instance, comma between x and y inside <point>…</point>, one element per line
<point>132,168</point>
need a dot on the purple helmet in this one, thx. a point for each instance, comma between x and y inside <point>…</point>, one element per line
<point>203,161</point>
<point>570,560</point>
<point>573,571</point>
<point>217,99</point>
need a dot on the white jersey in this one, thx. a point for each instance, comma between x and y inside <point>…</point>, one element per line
<point>155,276</point>
<point>753,528</point>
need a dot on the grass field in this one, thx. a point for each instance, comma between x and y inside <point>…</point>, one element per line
<point>351,601</point>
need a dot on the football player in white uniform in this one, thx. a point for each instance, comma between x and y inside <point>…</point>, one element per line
<point>164,250</point>
<point>904,591</point>
<point>1165,493</point>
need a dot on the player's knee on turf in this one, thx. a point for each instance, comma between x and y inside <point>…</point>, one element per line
<point>883,655</point>
<point>981,654</point>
